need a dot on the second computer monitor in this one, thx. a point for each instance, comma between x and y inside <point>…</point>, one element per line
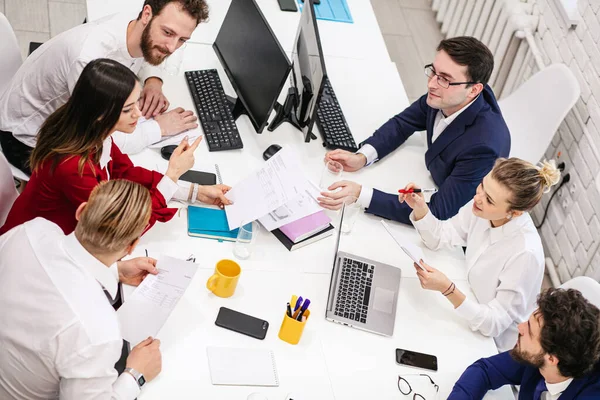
<point>308,68</point>
<point>253,59</point>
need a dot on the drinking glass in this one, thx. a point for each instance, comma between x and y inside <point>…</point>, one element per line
<point>351,211</point>
<point>332,172</point>
<point>246,240</point>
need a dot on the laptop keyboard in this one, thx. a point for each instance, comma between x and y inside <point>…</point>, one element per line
<point>352,300</point>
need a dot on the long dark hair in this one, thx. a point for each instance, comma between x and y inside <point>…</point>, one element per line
<point>80,126</point>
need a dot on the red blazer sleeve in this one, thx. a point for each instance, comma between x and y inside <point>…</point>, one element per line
<point>121,167</point>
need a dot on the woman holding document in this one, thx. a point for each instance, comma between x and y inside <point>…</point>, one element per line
<point>75,152</point>
<point>504,256</point>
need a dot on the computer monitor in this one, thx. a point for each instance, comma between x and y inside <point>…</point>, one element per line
<point>253,60</point>
<point>307,78</point>
<point>308,69</point>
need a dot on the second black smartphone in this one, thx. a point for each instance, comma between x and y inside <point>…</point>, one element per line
<point>414,359</point>
<point>242,323</point>
<point>287,5</point>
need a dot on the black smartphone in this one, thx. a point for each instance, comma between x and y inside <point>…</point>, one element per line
<point>199,177</point>
<point>287,5</point>
<point>242,323</point>
<point>414,359</point>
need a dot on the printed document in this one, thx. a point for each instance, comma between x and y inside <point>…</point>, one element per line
<point>280,180</point>
<point>411,249</point>
<point>299,207</point>
<point>146,310</point>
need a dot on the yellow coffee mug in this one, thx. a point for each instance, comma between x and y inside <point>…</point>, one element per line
<point>225,279</point>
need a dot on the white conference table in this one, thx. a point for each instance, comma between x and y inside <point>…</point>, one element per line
<point>360,40</point>
<point>331,361</point>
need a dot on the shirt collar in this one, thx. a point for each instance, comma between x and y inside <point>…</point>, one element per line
<point>556,388</point>
<point>105,156</point>
<point>506,230</point>
<point>107,277</point>
<point>448,120</point>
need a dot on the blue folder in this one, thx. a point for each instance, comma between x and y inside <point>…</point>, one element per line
<point>209,223</point>
<point>332,10</point>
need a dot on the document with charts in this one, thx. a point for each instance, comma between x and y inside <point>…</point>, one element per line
<point>279,180</point>
<point>146,310</point>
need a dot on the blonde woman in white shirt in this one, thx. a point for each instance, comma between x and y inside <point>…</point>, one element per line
<point>504,256</point>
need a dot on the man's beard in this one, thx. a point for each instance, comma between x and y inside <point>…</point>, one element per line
<point>523,357</point>
<point>148,47</point>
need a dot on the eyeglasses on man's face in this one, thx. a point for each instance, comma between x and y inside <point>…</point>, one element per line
<point>442,81</point>
<point>405,388</point>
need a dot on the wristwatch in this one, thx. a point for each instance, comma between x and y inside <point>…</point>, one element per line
<point>139,378</point>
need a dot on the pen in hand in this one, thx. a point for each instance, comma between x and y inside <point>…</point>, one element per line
<point>406,191</point>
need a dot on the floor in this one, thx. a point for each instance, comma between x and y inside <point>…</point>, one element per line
<point>409,29</point>
<point>39,20</point>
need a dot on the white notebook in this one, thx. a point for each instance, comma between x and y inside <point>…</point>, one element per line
<point>242,367</point>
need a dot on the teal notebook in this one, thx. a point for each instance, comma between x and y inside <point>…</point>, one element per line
<point>209,223</point>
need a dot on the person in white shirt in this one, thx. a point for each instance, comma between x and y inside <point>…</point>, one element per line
<point>504,254</point>
<point>47,77</point>
<point>59,334</point>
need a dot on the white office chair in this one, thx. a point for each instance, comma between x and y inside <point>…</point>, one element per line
<point>589,288</point>
<point>11,61</point>
<point>534,111</point>
<point>8,193</point>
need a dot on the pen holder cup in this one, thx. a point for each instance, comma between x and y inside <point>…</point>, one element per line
<point>291,330</point>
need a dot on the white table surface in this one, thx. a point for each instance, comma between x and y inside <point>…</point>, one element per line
<point>331,361</point>
<point>360,40</point>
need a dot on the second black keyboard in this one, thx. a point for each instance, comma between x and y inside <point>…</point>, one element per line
<point>214,110</point>
<point>331,122</point>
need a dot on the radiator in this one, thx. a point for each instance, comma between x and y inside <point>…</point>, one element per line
<point>502,25</point>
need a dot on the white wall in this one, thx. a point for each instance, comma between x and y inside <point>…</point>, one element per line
<point>571,234</point>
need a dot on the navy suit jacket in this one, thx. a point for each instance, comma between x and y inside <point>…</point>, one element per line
<point>458,160</point>
<point>499,370</point>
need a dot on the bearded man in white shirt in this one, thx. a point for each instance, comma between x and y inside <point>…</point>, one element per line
<point>47,77</point>
<point>59,334</point>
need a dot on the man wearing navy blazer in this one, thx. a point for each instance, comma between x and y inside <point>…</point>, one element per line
<point>556,355</point>
<point>465,135</point>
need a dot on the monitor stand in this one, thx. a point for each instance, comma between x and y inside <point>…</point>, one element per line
<point>236,106</point>
<point>286,113</point>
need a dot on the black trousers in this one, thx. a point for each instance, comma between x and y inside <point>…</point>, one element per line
<point>15,152</point>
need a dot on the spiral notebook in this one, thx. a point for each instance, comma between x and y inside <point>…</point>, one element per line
<point>242,367</point>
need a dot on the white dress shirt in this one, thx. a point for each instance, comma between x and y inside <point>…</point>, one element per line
<point>48,76</point>
<point>440,124</point>
<point>59,335</point>
<point>555,390</point>
<point>505,267</point>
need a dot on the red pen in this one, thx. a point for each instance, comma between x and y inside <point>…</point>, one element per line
<point>406,191</point>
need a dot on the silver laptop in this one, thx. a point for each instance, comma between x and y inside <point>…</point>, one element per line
<point>362,293</point>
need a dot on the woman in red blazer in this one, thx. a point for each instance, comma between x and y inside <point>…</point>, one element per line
<point>74,152</point>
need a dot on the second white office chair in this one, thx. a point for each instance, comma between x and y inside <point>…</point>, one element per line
<point>589,288</point>
<point>11,61</point>
<point>534,111</point>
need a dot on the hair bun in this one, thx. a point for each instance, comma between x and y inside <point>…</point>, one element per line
<point>549,173</point>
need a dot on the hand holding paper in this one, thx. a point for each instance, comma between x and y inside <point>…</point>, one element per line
<point>146,310</point>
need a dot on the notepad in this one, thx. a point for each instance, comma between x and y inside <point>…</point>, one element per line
<point>242,367</point>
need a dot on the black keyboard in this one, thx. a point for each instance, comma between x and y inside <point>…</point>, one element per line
<point>214,112</point>
<point>331,122</point>
<point>354,290</point>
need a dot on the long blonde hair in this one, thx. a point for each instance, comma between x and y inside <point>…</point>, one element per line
<point>525,181</point>
<point>115,216</point>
